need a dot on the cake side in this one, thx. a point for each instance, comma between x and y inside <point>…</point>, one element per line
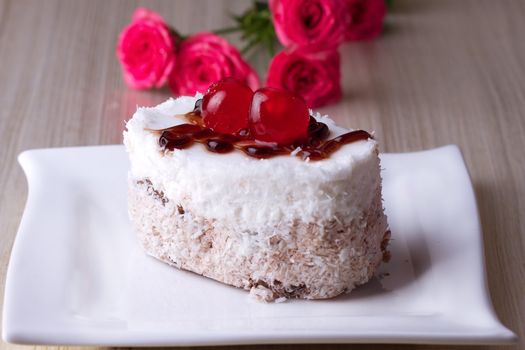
<point>305,261</point>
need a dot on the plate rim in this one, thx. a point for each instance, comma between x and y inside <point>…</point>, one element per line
<point>13,334</point>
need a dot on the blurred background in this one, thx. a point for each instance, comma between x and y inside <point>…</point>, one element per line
<point>442,72</point>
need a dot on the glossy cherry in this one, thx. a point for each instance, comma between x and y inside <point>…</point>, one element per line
<point>278,116</point>
<point>226,105</point>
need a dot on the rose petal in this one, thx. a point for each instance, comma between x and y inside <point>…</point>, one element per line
<point>205,58</point>
<point>310,71</point>
<point>309,22</point>
<point>364,19</point>
<point>146,50</point>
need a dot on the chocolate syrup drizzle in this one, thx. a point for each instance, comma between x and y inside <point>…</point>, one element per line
<point>315,147</point>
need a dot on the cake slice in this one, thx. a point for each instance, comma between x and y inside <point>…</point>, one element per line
<point>279,221</point>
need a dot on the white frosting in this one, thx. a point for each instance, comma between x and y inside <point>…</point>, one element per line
<point>251,194</point>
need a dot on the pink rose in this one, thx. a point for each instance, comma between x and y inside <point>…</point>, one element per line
<point>205,58</point>
<point>364,19</point>
<point>311,72</point>
<point>146,50</point>
<point>307,22</point>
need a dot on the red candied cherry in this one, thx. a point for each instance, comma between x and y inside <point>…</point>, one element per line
<point>226,105</point>
<point>278,116</point>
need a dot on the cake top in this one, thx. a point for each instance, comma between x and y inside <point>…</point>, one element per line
<point>246,191</point>
<point>263,124</point>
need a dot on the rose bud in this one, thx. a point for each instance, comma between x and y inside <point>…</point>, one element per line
<point>205,58</point>
<point>309,71</point>
<point>146,50</point>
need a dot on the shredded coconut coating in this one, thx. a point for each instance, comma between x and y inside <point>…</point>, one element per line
<point>247,193</point>
<point>298,260</point>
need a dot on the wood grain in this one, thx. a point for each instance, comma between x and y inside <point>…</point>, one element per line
<point>445,71</point>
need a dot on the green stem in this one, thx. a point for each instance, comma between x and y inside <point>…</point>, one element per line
<point>178,35</point>
<point>226,30</point>
<point>250,46</point>
<point>271,48</point>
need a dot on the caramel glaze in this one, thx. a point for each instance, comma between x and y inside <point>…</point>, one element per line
<point>315,147</point>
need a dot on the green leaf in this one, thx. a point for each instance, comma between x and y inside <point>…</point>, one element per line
<point>255,26</point>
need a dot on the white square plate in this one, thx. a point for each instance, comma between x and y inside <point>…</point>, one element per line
<point>77,275</point>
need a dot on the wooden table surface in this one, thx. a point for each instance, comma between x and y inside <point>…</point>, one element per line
<point>445,71</point>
